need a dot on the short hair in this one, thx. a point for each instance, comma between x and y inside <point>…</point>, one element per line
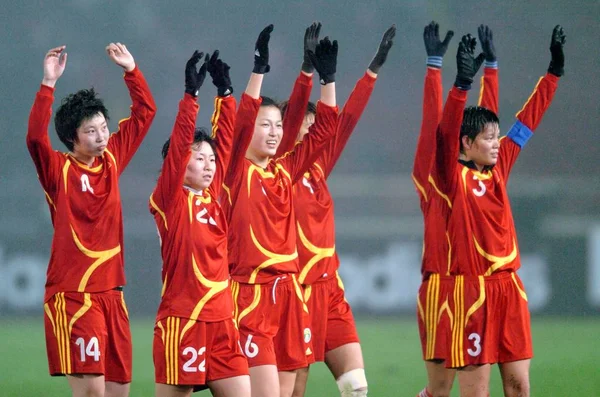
<point>201,134</point>
<point>475,118</point>
<point>268,101</point>
<point>310,109</point>
<point>74,110</point>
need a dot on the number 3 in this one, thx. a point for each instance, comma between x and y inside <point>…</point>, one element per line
<point>476,344</point>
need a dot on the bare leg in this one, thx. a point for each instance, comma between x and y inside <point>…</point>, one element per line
<point>237,386</point>
<point>474,381</point>
<point>439,378</point>
<point>515,378</point>
<point>163,390</point>
<point>86,385</point>
<point>115,389</point>
<point>264,381</point>
<point>300,384</point>
<point>287,380</point>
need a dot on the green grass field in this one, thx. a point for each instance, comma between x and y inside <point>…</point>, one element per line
<point>566,363</point>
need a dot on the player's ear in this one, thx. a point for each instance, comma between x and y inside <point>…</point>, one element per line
<point>466,142</point>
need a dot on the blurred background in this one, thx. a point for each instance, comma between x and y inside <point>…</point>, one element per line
<point>555,187</point>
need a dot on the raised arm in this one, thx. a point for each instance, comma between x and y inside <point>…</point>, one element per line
<point>38,142</point>
<point>448,147</point>
<point>529,117</point>
<point>124,143</point>
<point>170,180</point>
<point>306,152</point>
<point>223,118</point>
<point>488,95</point>
<point>432,105</point>
<point>298,102</point>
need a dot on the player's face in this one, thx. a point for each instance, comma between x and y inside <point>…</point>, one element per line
<point>92,138</point>
<point>484,149</point>
<point>201,167</point>
<point>267,133</point>
<point>309,120</point>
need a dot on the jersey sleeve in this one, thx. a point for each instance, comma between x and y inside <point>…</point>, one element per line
<point>347,120</point>
<point>124,143</point>
<point>295,112</point>
<point>242,136</point>
<point>223,124</point>
<point>174,165</point>
<point>426,143</point>
<point>311,147</point>
<point>448,142</point>
<point>488,94</point>
<point>528,119</point>
<point>46,160</point>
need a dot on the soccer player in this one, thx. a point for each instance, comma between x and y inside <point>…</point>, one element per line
<point>335,340</point>
<point>481,229</point>
<point>433,315</point>
<point>86,322</point>
<point>269,307</point>
<point>196,343</point>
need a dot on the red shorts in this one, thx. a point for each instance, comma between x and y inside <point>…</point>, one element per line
<point>331,320</point>
<point>273,323</point>
<point>434,316</point>
<point>88,333</point>
<point>491,321</point>
<point>188,352</point>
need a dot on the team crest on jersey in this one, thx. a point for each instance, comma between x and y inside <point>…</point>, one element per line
<point>307,335</point>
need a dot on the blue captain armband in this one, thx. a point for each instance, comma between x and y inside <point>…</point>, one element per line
<point>519,133</point>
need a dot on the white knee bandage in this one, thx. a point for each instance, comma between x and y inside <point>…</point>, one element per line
<point>353,383</point>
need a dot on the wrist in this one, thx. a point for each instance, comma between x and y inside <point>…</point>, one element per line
<point>490,64</point>
<point>464,83</point>
<point>129,68</point>
<point>435,61</point>
<point>49,82</point>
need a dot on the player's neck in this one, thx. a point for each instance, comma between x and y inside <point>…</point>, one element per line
<point>261,161</point>
<point>82,158</point>
<point>467,158</point>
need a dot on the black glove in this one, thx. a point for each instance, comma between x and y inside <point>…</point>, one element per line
<point>193,78</point>
<point>261,51</point>
<point>486,38</point>
<point>466,63</point>
<point>382,51</point>
<point>219,71</point>
<point>311,39</point>
<point>557,64</point>
<point>324,60</point>
<point>433,46</point>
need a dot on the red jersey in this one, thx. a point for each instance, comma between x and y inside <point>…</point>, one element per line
<point>436,257</point>
<point>191,224</point>
<point>262,238</point>
<point>84,202</point>
<point>313,205</point>
<point>480,222</point>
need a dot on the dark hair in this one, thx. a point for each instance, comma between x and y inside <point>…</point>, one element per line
<point>201,134</point>
<point>474,121</point>
<point>74,110</point>
<point>310,109</point>
<point>268,101</point>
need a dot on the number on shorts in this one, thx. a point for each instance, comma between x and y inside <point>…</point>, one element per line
<point>476,344</point>
<point>189,365</point>
<point>91,350</point>
<point>251,349</point>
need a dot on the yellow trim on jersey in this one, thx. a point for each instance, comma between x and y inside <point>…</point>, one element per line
<point>164,286</point>
<point>479,302</point>
<point>190,207</point>
<point>62,334</point>
<point>49,314</point>
<point>235,291</point>
<point>463,174</point>
<point>49,200</point>
<point>431,313</point>
<point>228,191</point>
<point>162,331</point>
<point>214,288</point>
<point>265,174</point>
<point>215,116</point>
<point>456,351</point>
<point>530,96</point>
<point>100,256</point>
<point>449,254</point>
<point>482,176</point>
<point>85,166</point>
<point>318,254</point>
<point>340,282</point>
<point>64,172</point>
<point>252,306</point>
<point>497,261</point>
<point>283,170</point>
<point>160,212</point>
<point>446,307</point>
<point>172,350</point>
<point>273,257</point>
<point>124,305</point>
<point>113,159</point>
<point>481,89</point>
<point>521,292</point>
<point>442,195</point>
<point>419,186</point>
<point>87,303</point>
<point>298,290</point>
<point>307,292</point>
<point>319,168</point>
